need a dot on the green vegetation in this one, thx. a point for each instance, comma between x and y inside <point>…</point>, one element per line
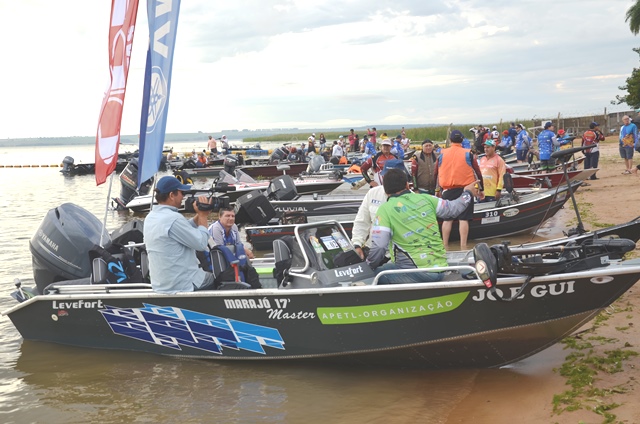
<point>435,133</point>
<point>584,364</point>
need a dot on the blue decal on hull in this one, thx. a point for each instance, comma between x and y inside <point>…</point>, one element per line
<point>174,327</point>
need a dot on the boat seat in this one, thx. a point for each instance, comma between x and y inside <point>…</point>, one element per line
<point>144,264</point>
<point>219,264</point>
<point>281,251</point>
<point>98,271</point>
<point>283,260</point>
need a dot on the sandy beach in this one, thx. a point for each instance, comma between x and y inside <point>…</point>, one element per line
<point>605,353</point>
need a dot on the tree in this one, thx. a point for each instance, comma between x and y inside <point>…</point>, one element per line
<point>632,86</point>
<point>633,17</point>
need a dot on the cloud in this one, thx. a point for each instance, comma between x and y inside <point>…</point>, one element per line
<point>295,63</point>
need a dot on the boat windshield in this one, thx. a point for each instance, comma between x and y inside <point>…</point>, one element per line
<point>327,246</point>
<point>225,177</point>
<point>243,177</point>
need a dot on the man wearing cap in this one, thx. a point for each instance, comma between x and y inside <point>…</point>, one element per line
<point>523,143</point>
<point>457,168</point>
<point>368,147</point>
<point>493,169</point>
<point>337,152</point>
<point>423,168</point>
<point>172,241</point>
<point>592,137</point>
<point>311,145</point>
<point>376,162</point>
<point>505,144</point>
<point>360,234</point>
<point>546,142</point>
<point>412,243</point>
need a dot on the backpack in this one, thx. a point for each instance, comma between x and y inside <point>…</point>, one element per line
<point>120,267</point>
<point>589,138</point>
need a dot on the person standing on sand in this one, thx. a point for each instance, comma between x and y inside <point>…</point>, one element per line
<point>628,141</point>
<point>592,137</point>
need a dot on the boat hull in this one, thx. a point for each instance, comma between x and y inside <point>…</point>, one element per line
<point>436,325</point>
<point>488,220</point>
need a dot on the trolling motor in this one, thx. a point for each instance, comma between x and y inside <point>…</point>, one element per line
<point>564,156</point>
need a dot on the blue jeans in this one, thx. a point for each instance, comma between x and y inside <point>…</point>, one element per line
<point>408,277</point>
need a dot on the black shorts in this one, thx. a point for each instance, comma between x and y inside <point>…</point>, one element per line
<point>453,194</point>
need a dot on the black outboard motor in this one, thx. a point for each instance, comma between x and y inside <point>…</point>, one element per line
<point>278,155</point>
<point>129,185</point>
<point>67,164</point>
<point>230,163</point>
<point>59,249</point>
<point>282,188</point>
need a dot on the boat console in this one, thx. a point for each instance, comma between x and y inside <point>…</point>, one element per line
<point>319,255</point>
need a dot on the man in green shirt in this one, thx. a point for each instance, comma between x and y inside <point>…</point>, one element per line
<point>407,226</point>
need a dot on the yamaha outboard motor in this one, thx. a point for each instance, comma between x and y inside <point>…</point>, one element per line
<point>60,247</point>
<point>129,185</point>
<point>67,164</point>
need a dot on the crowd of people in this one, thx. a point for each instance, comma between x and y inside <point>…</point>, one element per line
<point>439,184</point>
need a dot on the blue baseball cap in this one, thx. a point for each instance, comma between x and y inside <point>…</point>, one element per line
<point>548,125</point>
<point>168,184</point>
<point>393,164</point>
<point>456,136</point>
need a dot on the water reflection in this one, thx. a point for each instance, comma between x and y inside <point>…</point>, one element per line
<point>74,385</point>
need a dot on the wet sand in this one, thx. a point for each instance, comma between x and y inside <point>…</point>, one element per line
<point>526,396</point>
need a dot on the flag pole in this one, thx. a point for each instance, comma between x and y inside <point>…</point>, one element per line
<point>106,210</point>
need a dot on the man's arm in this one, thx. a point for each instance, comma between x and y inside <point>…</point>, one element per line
<point>448,209</point>
<point>477,172</point>
<point>364,169</point>
<point>186,233</point>
<point>380,238</point>
<point>362,223</point>
<point>414,172</point>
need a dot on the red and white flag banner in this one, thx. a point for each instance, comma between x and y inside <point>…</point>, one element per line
<point>122,26</point>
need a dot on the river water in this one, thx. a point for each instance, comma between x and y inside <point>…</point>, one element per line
<point>41,382</point>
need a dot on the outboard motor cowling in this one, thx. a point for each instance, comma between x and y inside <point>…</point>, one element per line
<point>230,163</point>
<point>129,184</point>
<point>60,246</point>
<point>282,188</point>
<point>278,155</point>
<point>315,164</point>
<point>67,164</point>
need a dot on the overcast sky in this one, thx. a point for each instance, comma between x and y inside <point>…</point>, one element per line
<point>317,64</point>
